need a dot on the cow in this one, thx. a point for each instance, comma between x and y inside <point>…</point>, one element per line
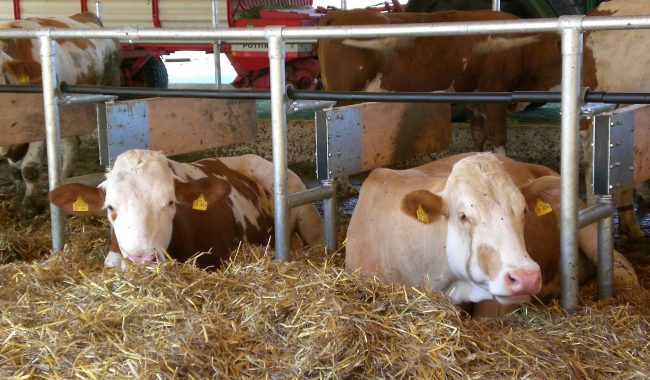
<point>78,61</point>
<point>479,63</point>
<point>156,205</point>
<point>455,63</point>
<point>475,226</point>
<point>620,64</point>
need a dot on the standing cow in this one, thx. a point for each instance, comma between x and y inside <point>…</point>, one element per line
<point>474,226</point>
<point>78,61</point>
<point>156,205</point>
<point>452,63</point>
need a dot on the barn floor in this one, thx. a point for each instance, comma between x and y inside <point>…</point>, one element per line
<point>66,316</point>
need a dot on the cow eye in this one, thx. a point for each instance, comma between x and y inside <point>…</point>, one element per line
<point>463,218</point>
<point>110,208</point>
<point>170,203</point>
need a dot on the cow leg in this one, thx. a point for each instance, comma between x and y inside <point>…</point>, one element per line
<point>69,150</point>
<point>624,274</point>
<point>643,194</point>
<point>31,173</point>
<point>496,119</point>
<point>309,224</point>
<point>345,188</point>
<point>628,223</point>
<point>476,120</point>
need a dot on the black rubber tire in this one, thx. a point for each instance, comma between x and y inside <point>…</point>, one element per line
<point>155,73</point>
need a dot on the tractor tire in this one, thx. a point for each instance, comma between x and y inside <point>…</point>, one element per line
<point>155,73</point>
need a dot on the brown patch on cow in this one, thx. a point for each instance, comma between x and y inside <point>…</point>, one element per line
<point>82,44</point>
<point>24,72</point>
<point>541,233</point>
<point>488,260</point>
<point>600,12</point>
<point>113,246</point>
<point>87,18</point>
<point>428,202</point>
<point>16,152</point>
<point>248,187</point>
<point>51,23</point>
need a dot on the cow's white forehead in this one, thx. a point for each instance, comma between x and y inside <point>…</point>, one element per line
<point>482,177</point>
<point>141,173</point>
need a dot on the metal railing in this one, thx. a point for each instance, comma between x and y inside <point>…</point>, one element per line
<point>571,29</point>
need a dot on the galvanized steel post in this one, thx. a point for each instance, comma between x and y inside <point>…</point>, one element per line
<point>605,251</point>
<point>52,133</point>
<point>570,28</point>
<point>279,141</point>
<point>216,46</point>
<point>329,217</point>
<point>496,5</point>
<point>99,11</point>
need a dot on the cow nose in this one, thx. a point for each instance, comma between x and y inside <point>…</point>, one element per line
<point>523,282</point>
<point>144,257</point>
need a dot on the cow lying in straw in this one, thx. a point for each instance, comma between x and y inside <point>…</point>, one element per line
<point>78,61</point>
<point>156,205</point>
<point>474,226</point>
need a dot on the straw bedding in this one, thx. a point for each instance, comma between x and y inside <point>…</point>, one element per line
<point>66,316</point>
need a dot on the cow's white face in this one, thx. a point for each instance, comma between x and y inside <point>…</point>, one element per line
<point>485,231</point>
<point>140,202</point>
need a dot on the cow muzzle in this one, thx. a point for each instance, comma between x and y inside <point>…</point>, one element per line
<point>144,257</point>
<point>521,284</point>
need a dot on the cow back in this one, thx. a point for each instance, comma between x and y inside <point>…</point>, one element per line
<point>78,61</point>
<point>245,215</point>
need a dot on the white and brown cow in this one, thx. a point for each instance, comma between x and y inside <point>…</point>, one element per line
<point>474,226</point>
<point>621,63</point>
<point>487,63</point>
<point>453,63</point>
<point>78,61</point>
<point>157,205</point>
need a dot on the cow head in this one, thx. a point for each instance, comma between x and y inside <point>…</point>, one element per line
<point>140,196</point>
<point>484,214</point>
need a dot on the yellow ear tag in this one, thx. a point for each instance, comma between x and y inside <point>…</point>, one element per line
<point>23,79</point>
<point>200,203</point>
<point>542,208</point>
<point>422,215</point>
<point>79,205</point>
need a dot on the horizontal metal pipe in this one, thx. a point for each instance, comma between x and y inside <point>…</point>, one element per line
<point>298,106</point>
<point>81,99</point>
<point>594,213</point>
<point>16,89</point>
<point>159,92</point>
<point>311,195</point>
<point>297,34</point>
<point>468,97</point>
<point>418,97</point>
<point>592,109</point>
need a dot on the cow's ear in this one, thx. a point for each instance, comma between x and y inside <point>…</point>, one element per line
<point>24,72</point>
<point>78,199</point>
<point>201,193</point>
<point>422,205</point>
